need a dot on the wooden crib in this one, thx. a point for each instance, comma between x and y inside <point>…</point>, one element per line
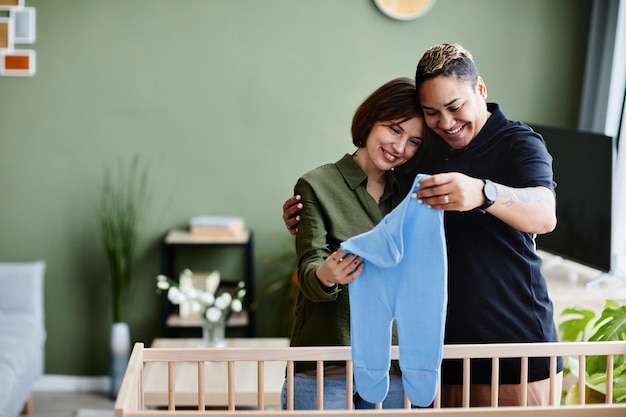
<point>130,401</point>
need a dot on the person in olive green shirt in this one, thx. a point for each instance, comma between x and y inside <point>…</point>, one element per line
<point>341,200</point>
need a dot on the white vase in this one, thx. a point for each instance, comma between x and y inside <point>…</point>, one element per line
<point>120,352</point>
<point>213,333</point>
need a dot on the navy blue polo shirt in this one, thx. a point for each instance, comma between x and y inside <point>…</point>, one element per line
<point>496,291</point>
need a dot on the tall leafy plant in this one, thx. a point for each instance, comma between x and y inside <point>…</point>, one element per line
<point>122,204</point>
<point>583,325</point>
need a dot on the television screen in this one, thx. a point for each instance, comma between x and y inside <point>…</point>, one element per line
<point>583,170</point>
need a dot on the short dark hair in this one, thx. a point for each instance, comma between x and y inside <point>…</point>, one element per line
<point>394,100</point>
<point>447,59</point>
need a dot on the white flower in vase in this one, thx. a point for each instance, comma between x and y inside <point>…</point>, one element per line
<point>214,309</point>
<point>213,314</point>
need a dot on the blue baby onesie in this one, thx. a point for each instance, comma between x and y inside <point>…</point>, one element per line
<point>405,278</point>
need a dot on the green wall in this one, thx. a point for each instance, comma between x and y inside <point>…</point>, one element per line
<point>229,101</point>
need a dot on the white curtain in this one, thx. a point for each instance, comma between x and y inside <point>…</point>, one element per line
<point>602,107</point>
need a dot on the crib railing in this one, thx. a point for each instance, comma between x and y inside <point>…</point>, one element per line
<point>130,401</point>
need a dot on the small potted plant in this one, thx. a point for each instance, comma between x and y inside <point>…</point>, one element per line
<point>122,203</point>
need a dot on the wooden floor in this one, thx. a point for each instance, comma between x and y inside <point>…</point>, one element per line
<point>67,404</point>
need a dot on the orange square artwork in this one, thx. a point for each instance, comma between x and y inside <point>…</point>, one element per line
<point>9,3</point>
<point>16,62</point>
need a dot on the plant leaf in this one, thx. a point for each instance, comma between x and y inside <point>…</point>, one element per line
<point>619,389</point>
<point>572,328</point>
<point>612,325</point>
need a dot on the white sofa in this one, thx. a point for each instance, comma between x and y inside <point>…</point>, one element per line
<point>22,334</point>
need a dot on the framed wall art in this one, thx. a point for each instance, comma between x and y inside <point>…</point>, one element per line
<point>24,24</point>
<point>18,62</point>
<point>9,4</point>
<point>17,26</point>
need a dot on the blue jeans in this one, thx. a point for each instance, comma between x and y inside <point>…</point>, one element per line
<point>305,395</point>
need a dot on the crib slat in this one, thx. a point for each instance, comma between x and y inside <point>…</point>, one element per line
<point>609,379</point>
<point>201,404</point>
<point>260,385</point>
<point>320,385</point>
<point>140,400</point>
<point>171,386</point>
<point>553,391</point>
<point>349,384</point>
<point>495,381</point>
<point>231,385</point>
<point>290,372</point>
<point>582,368</point>
<point>524,381</point>
<point>466,382</point>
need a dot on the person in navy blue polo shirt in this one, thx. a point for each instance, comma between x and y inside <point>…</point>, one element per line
<point>493,178</point>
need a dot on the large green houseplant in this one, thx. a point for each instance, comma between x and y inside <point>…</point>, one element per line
<point>582,324</point>
<point>122,204</point>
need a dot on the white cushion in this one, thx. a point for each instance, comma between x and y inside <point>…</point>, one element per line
<point>21,288</point>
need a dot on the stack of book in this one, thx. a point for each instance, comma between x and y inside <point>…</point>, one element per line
<point>216,226</point>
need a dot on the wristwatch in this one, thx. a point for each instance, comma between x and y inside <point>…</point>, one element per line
<point>491,193</point>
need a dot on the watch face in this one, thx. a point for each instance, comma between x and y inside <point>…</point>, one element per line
<point>490,191</point>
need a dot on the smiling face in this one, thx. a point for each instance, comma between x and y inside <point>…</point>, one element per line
<point>455,109</point>
<point>391,144</point>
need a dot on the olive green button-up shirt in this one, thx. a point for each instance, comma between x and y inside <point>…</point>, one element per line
<point>337,206</point>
